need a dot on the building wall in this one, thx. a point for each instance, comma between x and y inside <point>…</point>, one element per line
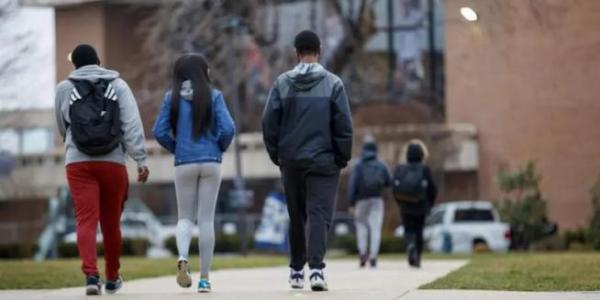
<point>526,74</point>
<point>78,25</point>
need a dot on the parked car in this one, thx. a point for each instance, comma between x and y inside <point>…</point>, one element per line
<point>137,222</point>
<point>464,227</point>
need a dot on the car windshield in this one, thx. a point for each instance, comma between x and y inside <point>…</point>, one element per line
<point>473,215</point>
<point>436,218</point>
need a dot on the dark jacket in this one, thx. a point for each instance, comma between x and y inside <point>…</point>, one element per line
<point>357,189</point>
<point>209,147</point>
<point>422,207</point>
<point>307,122</point>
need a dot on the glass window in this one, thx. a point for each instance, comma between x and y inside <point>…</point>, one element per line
<point>37,140</point>
<point>473,215</point>
<point>436,218</point>
<point>9,141</point>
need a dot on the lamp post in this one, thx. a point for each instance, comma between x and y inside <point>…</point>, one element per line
<point>240,197</point>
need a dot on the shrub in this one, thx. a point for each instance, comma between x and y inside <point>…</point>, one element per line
<point>575,239</point>
<point>129,247</point>
<point>523,205</point>
<point>223,244</point>
<point>389,244</point>
<point>392,244</point>
<point>594,223</point>
<point>11,251</point>
<point>346,243</point>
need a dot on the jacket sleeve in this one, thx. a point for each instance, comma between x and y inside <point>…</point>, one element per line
<point>225,124</point>
<point>352,185</point>
<point>271,124</point>
<point>61,102</point>
<point>431,187</point>
<point>131,124</point>
<point>162,126</point>
<point>342,126</point>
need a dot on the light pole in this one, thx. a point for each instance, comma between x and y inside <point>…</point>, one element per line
<point>240,197</point>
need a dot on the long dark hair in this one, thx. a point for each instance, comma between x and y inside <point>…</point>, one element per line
<point>192,67</point>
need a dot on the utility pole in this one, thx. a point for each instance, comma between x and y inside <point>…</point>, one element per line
<point>432,51</point>
<point>391,50</point>
<point>239,196</point>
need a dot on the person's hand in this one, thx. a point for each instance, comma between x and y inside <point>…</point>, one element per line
<point>143,173</point>
<point>351,210</point>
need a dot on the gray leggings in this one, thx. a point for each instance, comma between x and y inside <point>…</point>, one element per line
<point>369,218</point>
<point>197,187</point>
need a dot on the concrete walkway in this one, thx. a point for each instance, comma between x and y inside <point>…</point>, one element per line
<point>392,280</point>
<point>497,295</point>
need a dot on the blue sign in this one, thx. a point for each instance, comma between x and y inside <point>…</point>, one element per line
<point>272,233</point>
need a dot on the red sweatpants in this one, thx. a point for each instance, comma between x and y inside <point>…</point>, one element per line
<point>99,191</point>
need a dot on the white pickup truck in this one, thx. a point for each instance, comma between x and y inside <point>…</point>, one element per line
<point>466,226</point>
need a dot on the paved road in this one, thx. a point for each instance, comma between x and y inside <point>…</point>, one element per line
<point>391,280</point>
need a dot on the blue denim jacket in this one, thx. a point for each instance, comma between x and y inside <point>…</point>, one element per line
<point>207,148</point>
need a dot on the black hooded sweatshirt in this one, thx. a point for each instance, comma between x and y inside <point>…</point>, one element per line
<point>307,121</point>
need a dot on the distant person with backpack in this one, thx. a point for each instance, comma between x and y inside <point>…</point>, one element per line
<point>307,130</point>
<point>99,120</point>
<point>369,178</point>
<point>194,125</point>
<point>415,191</point>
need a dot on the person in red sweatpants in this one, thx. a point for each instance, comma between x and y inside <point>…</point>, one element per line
<point>99,191</point>
<point>97,115</point>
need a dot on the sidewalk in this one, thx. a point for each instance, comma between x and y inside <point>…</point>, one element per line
<point>497,295</point>
<point>391,280</point>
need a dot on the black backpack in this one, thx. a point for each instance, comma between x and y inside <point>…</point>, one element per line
<point>371,177</point>
<point>94,112</point>
<point>409,183</point>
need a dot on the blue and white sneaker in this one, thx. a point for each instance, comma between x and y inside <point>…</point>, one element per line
<point>317,280</point>
<point>113,286</point>
<point>296,279</point>
<point>203,286</point>
<point>93,286</point>
<point>184,276</point>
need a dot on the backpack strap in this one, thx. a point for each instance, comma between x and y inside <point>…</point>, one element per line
<point>74,95</point>
<point>110,93</point>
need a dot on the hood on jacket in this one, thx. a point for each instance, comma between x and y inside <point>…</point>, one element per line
<point>186,92</point>
<point>93,73</point>
<point>305,76</point>
<point>415,153</point>
<point>369,151</point>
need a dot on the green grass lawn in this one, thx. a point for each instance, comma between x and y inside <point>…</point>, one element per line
<point>27,274</point>
<point>526,272</point>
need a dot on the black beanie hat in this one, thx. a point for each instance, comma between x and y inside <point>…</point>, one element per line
<point>307,41</point>
<point>84,55</point>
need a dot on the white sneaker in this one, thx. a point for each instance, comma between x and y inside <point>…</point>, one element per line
<point>296,279</point>
<point>317,280</point>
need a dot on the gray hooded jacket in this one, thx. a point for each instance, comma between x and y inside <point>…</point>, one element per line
<point>307,121</point>
<point>131,124</point>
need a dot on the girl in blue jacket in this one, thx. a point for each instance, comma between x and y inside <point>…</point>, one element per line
<point>195,125</point>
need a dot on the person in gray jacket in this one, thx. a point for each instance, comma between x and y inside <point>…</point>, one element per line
<point>370,176</point>
<point>98,179</point>
<point>307,130</point>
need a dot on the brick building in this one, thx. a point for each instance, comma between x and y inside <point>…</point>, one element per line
<point>526,75</point>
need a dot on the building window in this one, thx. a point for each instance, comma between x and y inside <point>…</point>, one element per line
<point>26,141</point>
<point>9,141</point>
